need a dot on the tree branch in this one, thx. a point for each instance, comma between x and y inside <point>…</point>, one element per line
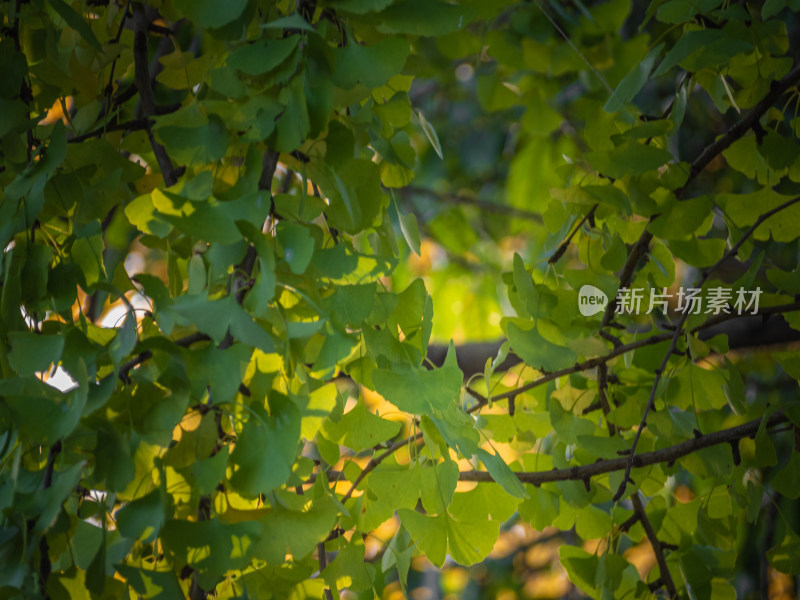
<point>565,244</point>
<point>636,253</point>
<point>738,129</point>
<point>269,164</point>
<point>732,252</point>
<point>132,125</point>
<point>376,460</point>
<point>658,549</point>
<point>45,566</point>
<point>503,209</point>
<point>142,75</point>
<point>602,388</point>
<point>183,342</point>
<point>109,89</point>
<point>581,473</point>
<point>665,455</point>
<point>322,556</point>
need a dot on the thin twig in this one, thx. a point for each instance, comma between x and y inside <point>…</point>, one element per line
<point>565,244</point>
<point>584,473</point>
<point>109,89</point>
<point>732,252</point>
<point>183,342</point>
<point>376,460</point>
<point>239,288</point>
<point>572,45</point>
<point>132,125</point>
<point>602,389</point>
<point>658,549</point>
<point>51,464</point>
<point>615,341</point>
<point>495,207</point>
<point>638,250</point>
<point>45,566</point>
<point>630,522</point>
<point>322,555</point>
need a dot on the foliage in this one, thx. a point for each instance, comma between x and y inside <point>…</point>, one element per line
<point>243,169</point>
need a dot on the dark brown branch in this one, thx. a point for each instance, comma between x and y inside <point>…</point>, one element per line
<point>738,129</point>
<point>132,125</point>
<point>654,585</point>
<point>650,403</point>
<point>322,555</point>
<point>239,288</point>
<point>495,207</point>
<point>601,467</point>
<point>732,252</point>
<point>762,312</point>
<point>142,74</point>
<point>269,164</point>
<point>376,460</point>
<point>585,472</point>
<point>665,455</point>
<point>109,89</point>
<point>638,250</point>
<point>630,522</point>
<point>583,366</point>
<point>51,464</point>
<point>592,363</point>
<point>565,244</point>
<point>610,337</point>
<point>183,342</point>
<point>602,388</point>
<point>45,566</point>
<point>658,549</point>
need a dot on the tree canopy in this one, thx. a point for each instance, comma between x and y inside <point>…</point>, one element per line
<point>250,248</point>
